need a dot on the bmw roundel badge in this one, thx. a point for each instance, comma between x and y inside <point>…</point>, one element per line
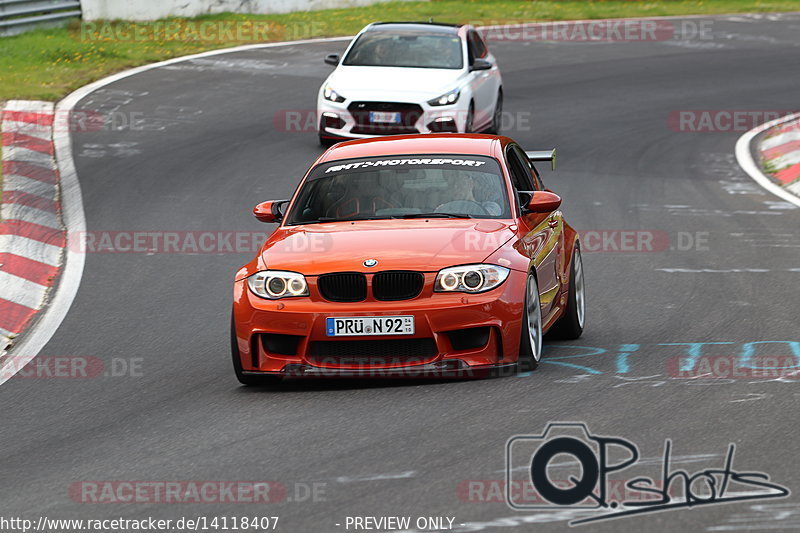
<point>370,263</point>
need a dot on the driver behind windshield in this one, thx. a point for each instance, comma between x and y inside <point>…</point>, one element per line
<point>408,189</point>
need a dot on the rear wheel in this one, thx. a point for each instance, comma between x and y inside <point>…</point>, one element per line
<point>530,345</point>
<point>570,325</point>
<point>247,379</point>
<point>497,116</point>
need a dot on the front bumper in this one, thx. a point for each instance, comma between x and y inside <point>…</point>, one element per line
<point>339,120</point>
<point>454,333</point>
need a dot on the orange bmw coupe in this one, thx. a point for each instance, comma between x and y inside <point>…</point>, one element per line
<point>409,255</point>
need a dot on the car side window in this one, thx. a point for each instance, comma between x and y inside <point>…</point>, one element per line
<point>521,176</point>
<point>537,181</point>
<point>476,45</point>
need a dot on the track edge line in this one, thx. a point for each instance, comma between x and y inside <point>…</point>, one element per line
<point>745,159</point>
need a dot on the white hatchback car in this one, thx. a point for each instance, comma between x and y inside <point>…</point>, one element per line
<point>410,77</point>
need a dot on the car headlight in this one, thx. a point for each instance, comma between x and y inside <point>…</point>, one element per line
<point>446,98</point>
<point>329,94</point>
<point>276,284</point>
<point>470,278</point>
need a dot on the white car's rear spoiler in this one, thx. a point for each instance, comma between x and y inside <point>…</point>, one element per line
<point>543,155</point>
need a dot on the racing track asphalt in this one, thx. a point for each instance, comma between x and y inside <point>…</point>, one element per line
<point>209,150</point>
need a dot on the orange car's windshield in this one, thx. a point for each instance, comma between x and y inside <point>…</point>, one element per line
<point>436,186</point>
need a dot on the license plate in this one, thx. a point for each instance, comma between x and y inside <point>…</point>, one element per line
<point>349,326</point>
<point>385,117</point>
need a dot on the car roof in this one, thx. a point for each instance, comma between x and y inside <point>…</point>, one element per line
<point>423,143</point>
<point>429,27</point>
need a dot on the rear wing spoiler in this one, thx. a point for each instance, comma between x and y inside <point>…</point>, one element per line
<point>543,155</point>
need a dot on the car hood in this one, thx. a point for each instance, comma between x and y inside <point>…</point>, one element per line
<point>397,245</point>
<point>390,83</point>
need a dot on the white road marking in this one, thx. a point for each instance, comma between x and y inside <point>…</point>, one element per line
<point>750,397</point>
<point>785,516</point>
<point>377,477</point>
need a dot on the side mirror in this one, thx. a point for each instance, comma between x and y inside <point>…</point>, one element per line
<point>480,64</point>
<point>543,202</point>
<point>332,59</point>
<point>269,211</point>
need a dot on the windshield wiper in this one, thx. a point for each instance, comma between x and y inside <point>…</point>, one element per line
<point>437,215</point>
<point>322,220</point>
<point>337,219</point>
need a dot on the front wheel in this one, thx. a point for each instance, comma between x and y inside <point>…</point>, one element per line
<point>530,345</point>
<point>468,123</point>
<point>570,325</point>
<point>497,116</point>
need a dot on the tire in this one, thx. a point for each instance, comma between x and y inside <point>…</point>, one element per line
<point>530,344</point>
<point>470,122</point>
<point>570,325</point>
<point>247,379</point>
<point>497,116</point>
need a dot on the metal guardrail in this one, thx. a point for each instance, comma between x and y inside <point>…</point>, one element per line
<point>18,16</point>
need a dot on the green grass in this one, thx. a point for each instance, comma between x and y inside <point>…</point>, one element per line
<point>48,64</point>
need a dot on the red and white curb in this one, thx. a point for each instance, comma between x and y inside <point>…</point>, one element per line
<point>779,150</point>
<point>32,236</point>
<point>777,167</point>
